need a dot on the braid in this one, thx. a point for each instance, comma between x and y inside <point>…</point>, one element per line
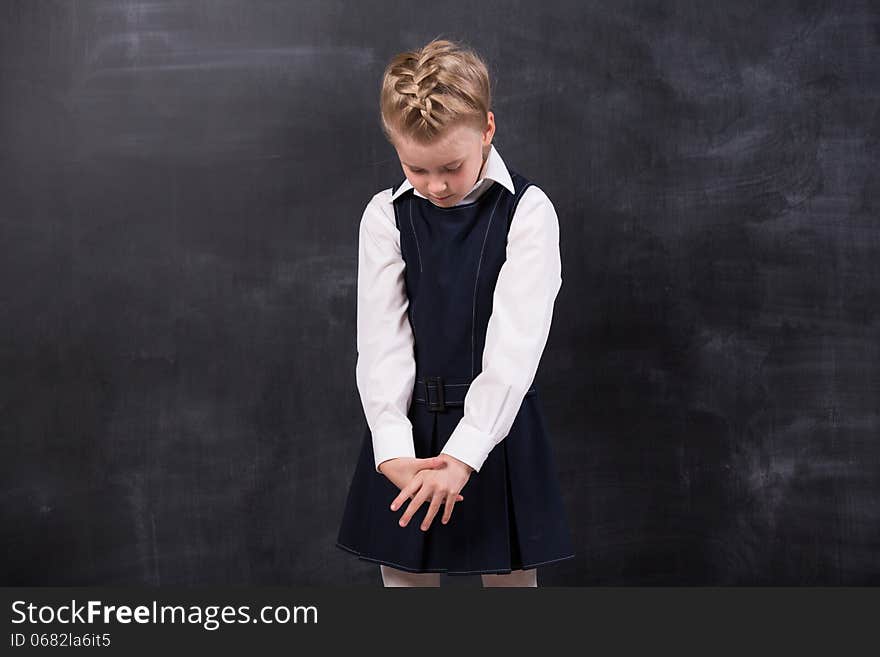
<point>427,90</point>
<point>415,86</point>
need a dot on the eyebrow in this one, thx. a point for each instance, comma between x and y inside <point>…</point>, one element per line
<point>446,165</point>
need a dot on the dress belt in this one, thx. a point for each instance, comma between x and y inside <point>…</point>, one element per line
<point>437,394</point>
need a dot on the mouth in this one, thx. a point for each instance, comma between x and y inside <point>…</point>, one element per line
<point>437,198</point>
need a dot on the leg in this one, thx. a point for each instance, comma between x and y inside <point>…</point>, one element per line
<point>394,577</point>
<point>515,578</point>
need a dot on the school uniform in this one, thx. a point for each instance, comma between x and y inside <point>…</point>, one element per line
<point>454,310</point>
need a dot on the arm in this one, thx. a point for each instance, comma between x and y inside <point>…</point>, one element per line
<point>385,370</point>
<point>522,308</point>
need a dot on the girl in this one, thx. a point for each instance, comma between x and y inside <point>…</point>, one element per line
<point>458,272</point>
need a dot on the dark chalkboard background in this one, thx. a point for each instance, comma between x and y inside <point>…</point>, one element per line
<point>180,189</point>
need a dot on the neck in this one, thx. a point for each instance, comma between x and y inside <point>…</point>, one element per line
<point>483,165</point>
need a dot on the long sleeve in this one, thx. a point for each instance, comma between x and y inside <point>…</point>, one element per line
<point>522,309</point>
<point>385,369</point>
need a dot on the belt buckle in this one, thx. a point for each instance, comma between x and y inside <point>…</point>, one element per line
<point>437,383</point>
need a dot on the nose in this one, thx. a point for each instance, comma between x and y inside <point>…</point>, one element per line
<point>437,187</point>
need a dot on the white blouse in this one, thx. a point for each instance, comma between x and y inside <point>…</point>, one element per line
<point>523,300</point>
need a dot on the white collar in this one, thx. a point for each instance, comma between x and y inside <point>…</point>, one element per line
<point>495,169</point>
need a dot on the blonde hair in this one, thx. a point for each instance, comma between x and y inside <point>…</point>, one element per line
<point>426,91</point>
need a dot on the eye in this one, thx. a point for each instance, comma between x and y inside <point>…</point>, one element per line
<point>421,171</point>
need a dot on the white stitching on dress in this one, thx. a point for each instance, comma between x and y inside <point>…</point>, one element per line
<point>505,571</point>
<point>477,284</point>
<point>416,237</point>
<point>412,317</point>
<point>516,199</point>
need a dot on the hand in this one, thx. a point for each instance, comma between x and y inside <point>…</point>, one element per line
<point>440,485</point>
<point>401,470</point>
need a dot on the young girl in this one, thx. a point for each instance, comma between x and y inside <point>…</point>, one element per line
<point>458,272</point>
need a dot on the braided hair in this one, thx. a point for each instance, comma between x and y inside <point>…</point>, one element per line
<point>426,91</point>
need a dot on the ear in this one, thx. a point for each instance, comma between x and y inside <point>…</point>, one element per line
<point>489,132</point>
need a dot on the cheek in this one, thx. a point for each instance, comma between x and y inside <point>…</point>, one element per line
<point>455,180</point>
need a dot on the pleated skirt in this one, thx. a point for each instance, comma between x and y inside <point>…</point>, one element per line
<point>512,516</point>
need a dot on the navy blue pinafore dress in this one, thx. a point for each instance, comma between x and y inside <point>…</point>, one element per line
<point>512,516</point>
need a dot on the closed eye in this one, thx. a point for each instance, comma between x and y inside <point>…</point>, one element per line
<point>447,169</point>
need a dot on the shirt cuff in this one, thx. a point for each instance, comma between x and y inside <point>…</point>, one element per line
<point>469,445</point>
<point>392,443</point>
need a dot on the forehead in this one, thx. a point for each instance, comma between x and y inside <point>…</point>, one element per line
<point>459,143</point>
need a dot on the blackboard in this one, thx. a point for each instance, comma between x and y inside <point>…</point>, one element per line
<point>180,189</point>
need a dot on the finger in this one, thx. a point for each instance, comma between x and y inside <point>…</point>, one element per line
<point>406,492</point>
<point>432,511</point>
<point>413,506</point>
<point>432,462</point>
<point>447,511</point>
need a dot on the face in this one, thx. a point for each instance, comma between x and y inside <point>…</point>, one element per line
<point>447,169</point>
